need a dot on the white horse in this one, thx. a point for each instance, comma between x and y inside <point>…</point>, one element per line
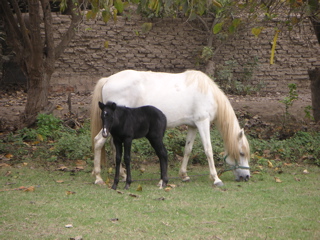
<point>189,98</point>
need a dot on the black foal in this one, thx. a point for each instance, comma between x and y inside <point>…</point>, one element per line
<point>125,124</point>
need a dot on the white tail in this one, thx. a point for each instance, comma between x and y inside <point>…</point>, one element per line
<point>96,123</point>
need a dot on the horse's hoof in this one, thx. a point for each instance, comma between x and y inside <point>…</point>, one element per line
<point>186,179</point>
<point>219,184</point>
<point>160,184</point>
<point>100,182</point>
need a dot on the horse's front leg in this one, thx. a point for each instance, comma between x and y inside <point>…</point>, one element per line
<point>127,159</point>
<point>99,141</point>
<point>118,146</point>
<point>204,131</point>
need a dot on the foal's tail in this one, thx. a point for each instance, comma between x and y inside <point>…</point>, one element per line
<point>96,123</point>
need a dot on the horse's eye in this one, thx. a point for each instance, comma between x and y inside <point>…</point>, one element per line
<point>242,154</point>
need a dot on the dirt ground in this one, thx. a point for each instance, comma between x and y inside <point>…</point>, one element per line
<point>267,109</point>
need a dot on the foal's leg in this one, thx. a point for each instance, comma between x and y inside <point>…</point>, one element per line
<point>127,159</point>
<point>118,146</point>
<point>99,141</point>
<point>162,154</point>
<point>187,151</point>
<point>204,130</point>
<point>122,169</point>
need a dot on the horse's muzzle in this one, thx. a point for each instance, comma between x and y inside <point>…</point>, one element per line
<point>243,178</point>
<point>104,133</point>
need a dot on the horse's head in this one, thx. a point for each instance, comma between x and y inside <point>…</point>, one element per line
<point>107,112</point>
<point>239,159</point>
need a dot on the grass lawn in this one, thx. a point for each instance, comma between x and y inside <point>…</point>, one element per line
<point>259,209</point>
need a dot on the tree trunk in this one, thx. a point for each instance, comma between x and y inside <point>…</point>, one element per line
<point>314,75</point>
<point>37,99</point>
<point>314,18</point>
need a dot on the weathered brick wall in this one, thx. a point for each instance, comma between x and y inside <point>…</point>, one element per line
<point>296,52</point>
<point>172,46</point>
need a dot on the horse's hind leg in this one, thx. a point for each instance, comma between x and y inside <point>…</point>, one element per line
<point>162,154</point>
<point>127,159</point>
<point>99,141</point>
<point>187,151</point>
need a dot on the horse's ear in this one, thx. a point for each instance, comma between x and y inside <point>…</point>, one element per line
<point>241,134</point>
<point>113,106</point>
<point>101,105</point>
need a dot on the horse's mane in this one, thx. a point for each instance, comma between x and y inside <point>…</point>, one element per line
<point>226,120</point>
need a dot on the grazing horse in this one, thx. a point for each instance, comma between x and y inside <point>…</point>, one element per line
<point>189,98</point>
<point>125,124</point>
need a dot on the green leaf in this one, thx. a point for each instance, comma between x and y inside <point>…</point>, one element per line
<point>89,15</point>
<point>106,44</point>
<point>115,13</point>
<point>236,22</point>
<point>256,31</point>
<point>232,29</point>
<point>217,28</point>
<point>63,5</point>
<point>273,49</point>
<point>146,27</point>
<point>118,4</point>
<point>106,15</point>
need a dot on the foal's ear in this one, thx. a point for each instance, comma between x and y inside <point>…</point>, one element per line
<point>101,105</point>
<point>113,106</point>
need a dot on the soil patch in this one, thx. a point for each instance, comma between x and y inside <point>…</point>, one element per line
<point>253,110</point>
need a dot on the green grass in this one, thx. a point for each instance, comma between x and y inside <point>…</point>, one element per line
<point>258,209</point>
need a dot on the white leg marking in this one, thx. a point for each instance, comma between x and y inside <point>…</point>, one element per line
<point>99,141</point>
<point>160,184</point>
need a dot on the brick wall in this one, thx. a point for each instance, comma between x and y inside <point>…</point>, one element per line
<point>172,46</point>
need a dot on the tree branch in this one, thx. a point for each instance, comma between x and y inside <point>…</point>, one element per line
<point>23,29</point>
<point>49,40</point>
<point>76,18</point>
<point>315,20</point>
<point>35,32</point>
<point>6,10</point>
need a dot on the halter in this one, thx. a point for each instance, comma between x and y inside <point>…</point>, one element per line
<point>231,167</point>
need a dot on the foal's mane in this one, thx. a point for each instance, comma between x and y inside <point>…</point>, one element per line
<point>225,119</point>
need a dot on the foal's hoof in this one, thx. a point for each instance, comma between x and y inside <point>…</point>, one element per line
<point>219,184</point>
<point>160,184</point>
<point>100,182</point>
<point>186,179</point>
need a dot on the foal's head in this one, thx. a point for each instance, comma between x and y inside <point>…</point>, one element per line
<point>107,113</point>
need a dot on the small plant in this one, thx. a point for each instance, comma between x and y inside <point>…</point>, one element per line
<point>308,114</point>
<point>47,125</point>
<point>73,146</point>
<point>207,53</point>
<point>289,99</point>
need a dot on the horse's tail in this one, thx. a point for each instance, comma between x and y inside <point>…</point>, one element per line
<point>96,123</point>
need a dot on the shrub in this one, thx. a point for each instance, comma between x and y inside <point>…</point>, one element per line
<point>303,146</point>
<point>73,146</point>
<point>48,125</point>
